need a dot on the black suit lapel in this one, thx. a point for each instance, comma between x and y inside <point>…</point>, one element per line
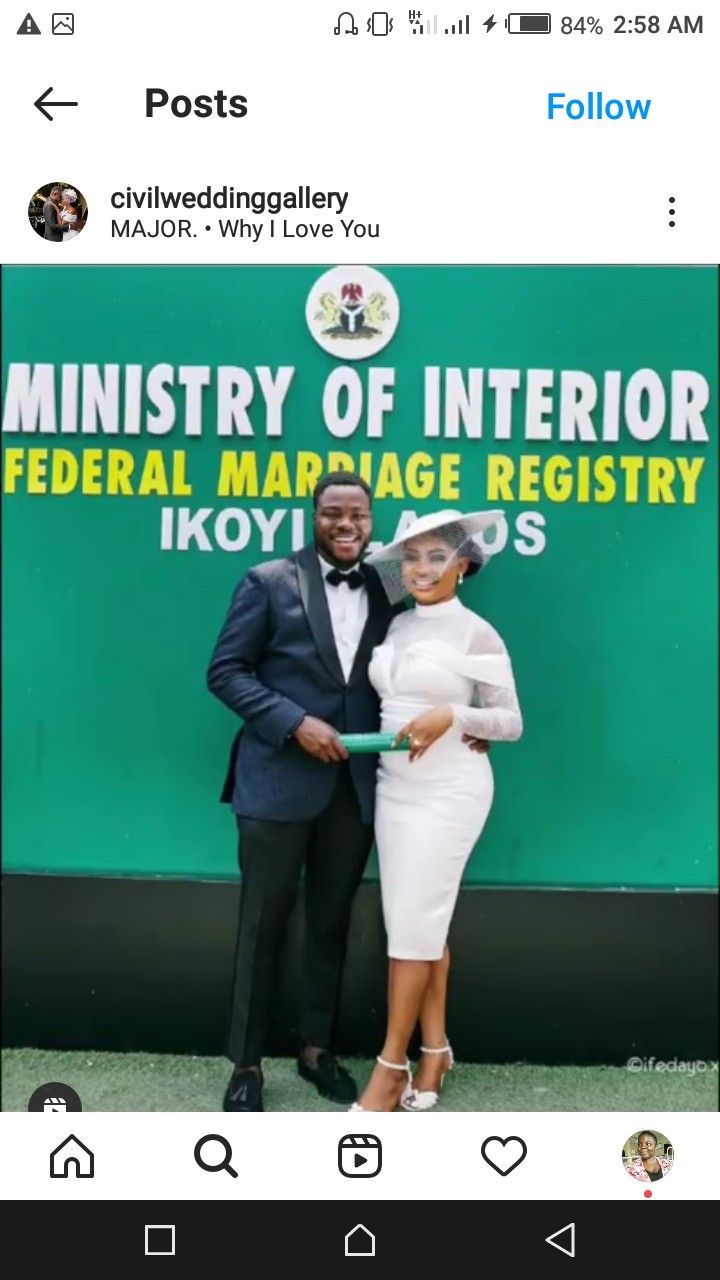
<point>312,594</point>
<point>376,625</point>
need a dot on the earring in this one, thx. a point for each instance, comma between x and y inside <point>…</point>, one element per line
<point>460,579</point>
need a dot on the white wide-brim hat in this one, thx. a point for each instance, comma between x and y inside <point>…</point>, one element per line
<point>471,524</point>
<point>460,533</point>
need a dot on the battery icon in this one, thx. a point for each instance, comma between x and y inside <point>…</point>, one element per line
<point>537,24</point>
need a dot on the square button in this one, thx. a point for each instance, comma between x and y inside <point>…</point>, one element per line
<point>160,1241</point>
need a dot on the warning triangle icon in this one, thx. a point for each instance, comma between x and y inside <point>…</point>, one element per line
<point>28,26</point>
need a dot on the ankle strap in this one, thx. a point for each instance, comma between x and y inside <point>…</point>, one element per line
<point>394,1066</point>
<point>445,1049</point>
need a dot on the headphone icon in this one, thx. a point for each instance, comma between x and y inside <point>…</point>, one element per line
<point>348,31</point>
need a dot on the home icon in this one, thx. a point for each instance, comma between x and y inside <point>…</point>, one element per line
<point>72,1154</point>
<point>359,1243</point>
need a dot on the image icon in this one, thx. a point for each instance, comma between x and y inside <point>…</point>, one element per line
<point>63,24</point>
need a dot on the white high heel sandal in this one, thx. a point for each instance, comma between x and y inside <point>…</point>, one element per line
<point>391,1066</point>
<point>426,1099</point>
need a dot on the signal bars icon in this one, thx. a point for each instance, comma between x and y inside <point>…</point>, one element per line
<point>429,26</point>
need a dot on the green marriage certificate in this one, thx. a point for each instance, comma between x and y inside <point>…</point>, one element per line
<point>358,743</point>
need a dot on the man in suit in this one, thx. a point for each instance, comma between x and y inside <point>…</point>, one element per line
<point>292,660</point>
<point>54,228</point>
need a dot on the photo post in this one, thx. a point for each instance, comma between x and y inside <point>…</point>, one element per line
<point>359,551</point>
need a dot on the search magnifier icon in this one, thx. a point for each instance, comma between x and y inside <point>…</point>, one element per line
<point>224,1163</point>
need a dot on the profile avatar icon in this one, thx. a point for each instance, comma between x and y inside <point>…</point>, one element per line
<point>58,212</point>
<point>648,1156</point>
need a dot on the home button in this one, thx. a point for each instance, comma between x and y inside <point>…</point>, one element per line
<point>359,1243</point>
<point>72,1159</point>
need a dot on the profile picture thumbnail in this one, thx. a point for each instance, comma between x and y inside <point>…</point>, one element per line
<point>648,1155</point>
<point>58,211</point>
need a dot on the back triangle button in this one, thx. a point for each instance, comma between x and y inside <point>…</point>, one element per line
<point>567,1236</point>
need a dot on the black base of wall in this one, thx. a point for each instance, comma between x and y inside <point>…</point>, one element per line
<point>538,975</point>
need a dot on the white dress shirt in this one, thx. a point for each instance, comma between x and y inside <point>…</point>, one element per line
<point>348,615</point>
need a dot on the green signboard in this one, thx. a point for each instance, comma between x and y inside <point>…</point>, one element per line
<point>162,431</point>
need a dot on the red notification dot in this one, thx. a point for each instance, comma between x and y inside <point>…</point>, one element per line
<point>647,1194</point>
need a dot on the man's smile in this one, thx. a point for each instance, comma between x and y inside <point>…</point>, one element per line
<point>345,539</point>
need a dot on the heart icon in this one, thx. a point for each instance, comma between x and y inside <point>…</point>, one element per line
<point>505,1154</point>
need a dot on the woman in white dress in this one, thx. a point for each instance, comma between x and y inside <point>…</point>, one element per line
<point>445,682</point>
<point>70,213</point>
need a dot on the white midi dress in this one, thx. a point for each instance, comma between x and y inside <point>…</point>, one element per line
<point>72,219</point>
<point>429,813</point>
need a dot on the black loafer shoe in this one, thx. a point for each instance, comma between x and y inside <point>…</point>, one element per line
<point>244,1092</point>
<point>330,1079</point>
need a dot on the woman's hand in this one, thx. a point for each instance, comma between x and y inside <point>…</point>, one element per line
<point>425,729</point>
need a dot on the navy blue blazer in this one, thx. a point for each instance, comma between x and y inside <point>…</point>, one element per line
<point>274,662</point>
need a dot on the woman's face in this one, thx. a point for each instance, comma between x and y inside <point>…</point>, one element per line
<point>646,1146</point>
<point>430,569</point>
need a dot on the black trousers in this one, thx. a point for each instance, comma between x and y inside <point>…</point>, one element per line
<point>332,849</point>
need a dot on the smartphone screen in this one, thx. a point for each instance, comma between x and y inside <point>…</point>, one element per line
<point>359,550</point>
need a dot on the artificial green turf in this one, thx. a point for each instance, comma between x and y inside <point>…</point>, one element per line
<point>166,1082</point>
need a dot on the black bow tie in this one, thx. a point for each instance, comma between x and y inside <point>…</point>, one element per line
<point>354,578</point>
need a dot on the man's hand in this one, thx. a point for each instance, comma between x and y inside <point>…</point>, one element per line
<point>476,744</point>
<point>319,739</point>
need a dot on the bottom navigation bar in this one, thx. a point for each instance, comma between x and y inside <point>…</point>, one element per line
<point>308,1234</point>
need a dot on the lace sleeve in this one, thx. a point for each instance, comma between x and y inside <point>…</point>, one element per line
<point>495,712</point>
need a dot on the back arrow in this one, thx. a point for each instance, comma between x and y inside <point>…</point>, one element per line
<point>41,103</point>
<point>569,1245</point>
